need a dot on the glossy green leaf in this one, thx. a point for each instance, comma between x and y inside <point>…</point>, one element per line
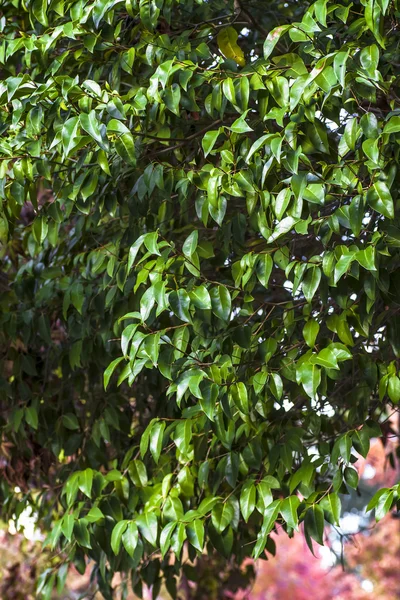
<point>130,538</point>
<point>288,511</point>
<point>148,527</point>
<point>222,515</point>
<point>195,534</point>
<point>380,199</point>
<point>310,332</point>
<point>156,439</point>
<point>116,536</point>
<point>248,499</point>
<point>221,302</point>
<point>180,303</point>
<point>314,523</point>
<point>138,473</point>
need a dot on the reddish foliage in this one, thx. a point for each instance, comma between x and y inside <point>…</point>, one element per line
<point>372,555</point>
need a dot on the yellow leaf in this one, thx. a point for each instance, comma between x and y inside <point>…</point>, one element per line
<point>226,39</point>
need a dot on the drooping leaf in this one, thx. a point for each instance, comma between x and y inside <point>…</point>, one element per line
<point>227,43</point>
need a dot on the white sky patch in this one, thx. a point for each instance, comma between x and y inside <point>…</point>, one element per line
<point>235,313</point>
<point>26,524</point>
<point>337,546</point>
<point>328,558</point>
<point>367,586</point>
<point>327,410</point>
<point>287,404</point>
<point>288,285</point>
<point>369,472</point>
<point>350,523</point>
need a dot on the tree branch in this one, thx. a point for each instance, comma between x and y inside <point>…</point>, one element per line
<point>240,11</point>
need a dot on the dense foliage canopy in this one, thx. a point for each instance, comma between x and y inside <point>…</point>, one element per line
<point>200,277</point>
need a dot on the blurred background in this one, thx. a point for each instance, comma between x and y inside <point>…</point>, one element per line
<point>360,560</point>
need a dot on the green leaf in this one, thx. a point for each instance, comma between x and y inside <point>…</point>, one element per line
<point>69,134</point>
<point>393,388</point>
<point>200,298</point>
<point>31,417</point>
<point>361,441</point>
<point>264,268</point>
<point>282,201</point>
<point>148,527</point>
<point>320,11</point>
<point>380,199</point>
<point>326,358</point>
<point>39,11</point>
<point>393,125</point>
<point>94,515</point>
<point>351,477</point>
<point>332,504</point>
<point>270,516</point>
<point>86,481</point>
<point>116,536</point>
<point>209,393</point>
<point>273,38</point>
<point>190,244</point>
<point>90,124</point>
<point>110,370</point>
<point>126,337</point>
<point>221,302</point>
<point>222,515</point>
<point>257,145</point>
<point>314,523</point>
<point>383,492</point>
<point>384,504</point>
<point>100,9</point>
<point>180,303</point>
<point>172,98</point>
<point>309,375</point>
<point>81,533</point>
<point>240,125</point>
<point>371,149</point>
<point>248,499</point>
<point>40,229</point>
<point>165,537</point>
<point>130,538</point>
<point>369,58</point>
<point>178,538</point>
<point>288,511</point>
<point>229,90</point>
<point>195,534</point>
<point>240,397</point>
<point>156,439</point>
<point>311,282</point>
<point>67,526</point>
<point>276,385</point>
<point>183,436</point>
<point>138,474</point>
<point>209,140</point>
<point>125,147</point>
<point>207,504</point>
<point>351,133</point>
<point>150,240</point>
<point>339,66</point>
<point>343,265</point>
<point>310,332</point>
<point>134,249</point>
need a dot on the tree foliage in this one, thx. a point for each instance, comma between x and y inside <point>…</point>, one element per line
<point>200,271</point>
